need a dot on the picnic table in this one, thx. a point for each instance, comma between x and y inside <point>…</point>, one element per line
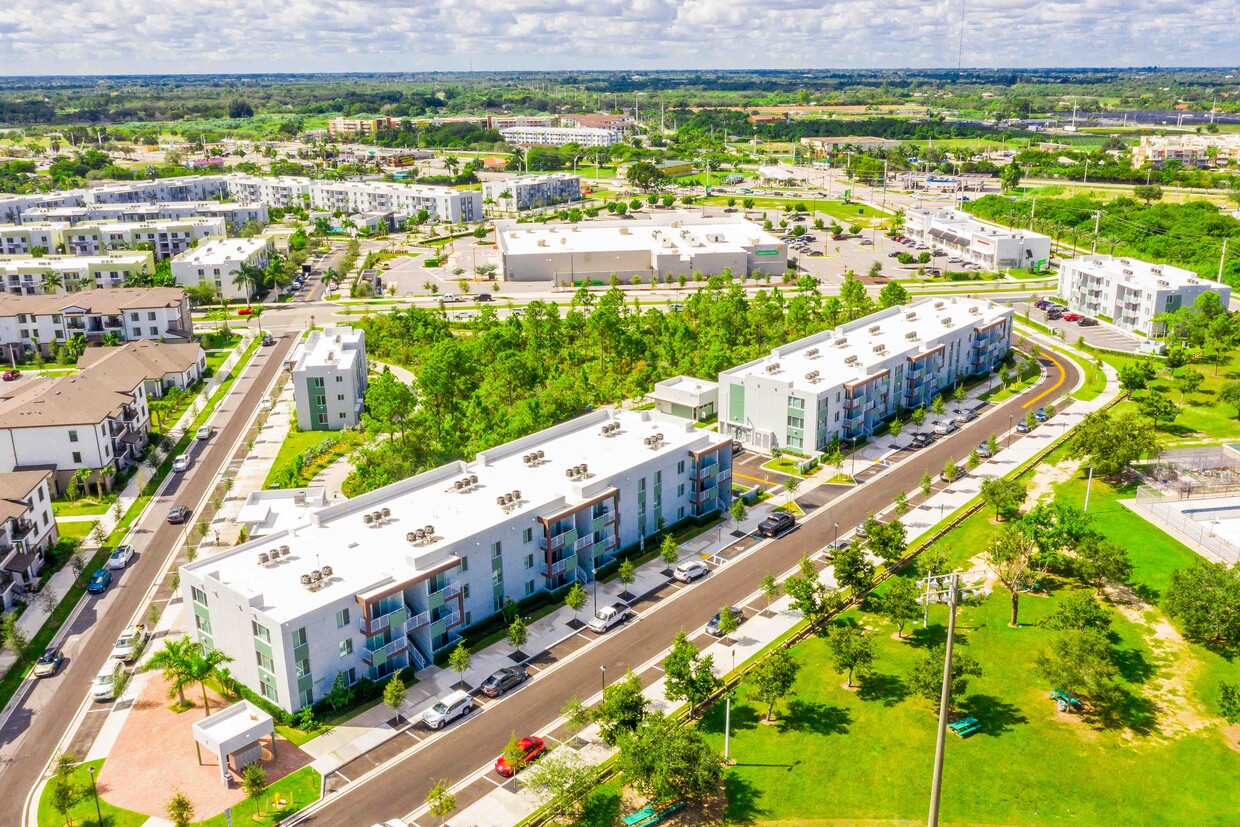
<point>965,726</point>
<point>1064,701</point>
<point>651,814</point>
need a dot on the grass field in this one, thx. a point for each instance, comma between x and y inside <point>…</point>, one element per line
<point>299,790</point>
<point>294,445</point>
<point>83,812</point>
<point>864,754</point>
<point>84,507</point>
<point>78,529</point>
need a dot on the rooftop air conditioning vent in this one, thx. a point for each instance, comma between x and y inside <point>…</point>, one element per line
<point>263,559</point>
<point>880,349</point>
<point>851,360</point>
<point>910,316</point>
<point>911,335</point>
<point>947,321</point>
<point>975,310</point>
<point>939,305</point>
<point>874,328</point>
<point>841,342</point>
<point>811,353</point>
<point>327,571</point>
<point>1127,272</point>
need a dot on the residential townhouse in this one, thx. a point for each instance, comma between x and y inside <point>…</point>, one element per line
<point>164,365</point>
<point>218,261</point>
<point>368,586</point>
<point>27,530</point>
<point>24,276</point>
<point>523,192</point>
<point>329,379</point>
<point>842,383</point>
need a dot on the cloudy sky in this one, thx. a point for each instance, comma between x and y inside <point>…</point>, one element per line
<point>176,36</point>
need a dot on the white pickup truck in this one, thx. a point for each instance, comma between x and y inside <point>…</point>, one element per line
<point>130,643</point>
<point>608,616</point>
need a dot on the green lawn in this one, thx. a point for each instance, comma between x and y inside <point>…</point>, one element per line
<point>84,507</point>
<point>783,465</point>
<point>1201,414</point>
<point>298,790</point>
<point>84,811</point>
<point>294,445</point>
<point>78,529</point>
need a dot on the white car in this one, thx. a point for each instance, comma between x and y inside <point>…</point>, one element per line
<point>607,617</point>
<point>203,433</point>
<point>181,463</point>
<point>120,558</point>
<point>690,570</point>
<point>265,404</point>
<point>129,644</point>
<point>450,298</point>
<point>101,689</point>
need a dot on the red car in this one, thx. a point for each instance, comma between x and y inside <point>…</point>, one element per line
<point>1072,317</point>
<point>11,374</point>
<point>531,747</point>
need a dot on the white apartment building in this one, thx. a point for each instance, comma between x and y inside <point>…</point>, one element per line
<point>129,313</point>
<point>13,207</point>
<point>1130,293</point>
<point>21,239</point>
<point>1190,150</point>
<point>217,262</point>
<point>97,419</point>
<point>559,136</point>
<point>994,248</point>
<point>283,191</point>
<point>27,529</point>
<point>842,383</point>
<point>165,365</point>
<point>373,584</point>
<point>165,237</point>
<point>667,244</point>
<point>356,127</point>
<point>25,276</point>
<point>523,192</point>
<point>233,214</point>
<point>329,379</point>
<point>184,188</point>
<point>443,203</point>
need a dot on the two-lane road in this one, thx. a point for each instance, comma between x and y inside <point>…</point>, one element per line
<point>474,743</point>
<point>44,709</point>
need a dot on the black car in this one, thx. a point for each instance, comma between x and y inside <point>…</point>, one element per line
<point>178,514</point>
<point>1054,315</point>
<point>738,447</point>
<point>268,340</point>
<point>484,297</point>
<point>712,628</point>
<point>776,524</point>
<point>1085,321</point>
<point>919,440</point>
<point>503,680</point>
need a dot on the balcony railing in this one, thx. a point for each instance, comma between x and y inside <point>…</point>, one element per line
<point>583,542</point>
<point>450,590</point>
<point>380,622</point>
<point>853,403</point>
<point>387,651</point>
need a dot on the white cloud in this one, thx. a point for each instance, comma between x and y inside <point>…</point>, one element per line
<point>173,36</point>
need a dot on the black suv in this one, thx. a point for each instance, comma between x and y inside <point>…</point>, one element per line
<point>776,524</point>
<point>919,440</point>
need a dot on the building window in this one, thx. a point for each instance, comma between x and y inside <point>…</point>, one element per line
<point>77,457</point>
<point>307,697</point>
<point>340,379</point>
<point>202,624</point>
<point>260,631</point>
<point>527,536</point>
<point>529,587</point>
<point>529,561</point>
<point>200,597</point>
<point>73,436</point>
<point>497,550</point>
<point>680,467</point>
<point>342,618</point>
<point>680,513</point>
<point>264,662</point>
<point>680,490</point>
<point>322,419</point>
<point>346,647</point>
<point>269,692</point>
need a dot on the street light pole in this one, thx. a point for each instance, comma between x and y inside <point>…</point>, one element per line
<point>727,727</point>
<point>944,700</point>
<point>602,679</point>
<point>95,792</point>
<point>594,577</point>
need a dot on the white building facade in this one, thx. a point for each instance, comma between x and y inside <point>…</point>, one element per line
<point>443,203</point>
<point>560,136</point>
<point>383,581</point>
<point>1130,293</point>
<point>841,383</point>
<point>27,276</point>
<point>993,248</point>
<point>129,313</point>
<point>217,262</point>
<point>523,192</point>
<point>329,379</point>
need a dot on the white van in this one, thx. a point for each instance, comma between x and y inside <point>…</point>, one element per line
<point>447,709</point>
<point>102,687</point>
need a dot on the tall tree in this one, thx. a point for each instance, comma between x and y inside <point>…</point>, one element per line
<point>668,762</point>
<point>774,677</point>
<point>688,674</point>
<point>622,709</point>
<point>850,650</point>
<point>926,679</point>
<point>899,603</point>
<point>1011,555</point>
<point>1205,597</point>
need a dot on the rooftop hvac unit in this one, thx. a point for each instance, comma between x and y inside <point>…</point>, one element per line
<point>285,550</point>
<point>851,360</point>
<point>327,571</point>
<point>516,495</point>
<point>413,536</point>
<point>910,316</point>
<point>1162,283</point>
<point>316,576</point>
<point>456,486</point>
<point>947,321</point>
<point>1127,272</point>
<point>263,558</point>
<point>500,500</point>
<point>841,342</point>
<point>975,310</point>
<point>568,472</point>
<point>874,328</point>
<point>430,532</point>
<point>367,519</point>
<point>911,335</point>
<point>880,348</point>
<point>305,579</point>
<point>539,454</point>
<point>387,512</point>
<point>473,479</point>
<point>939,305</point>
<point>811,353</point>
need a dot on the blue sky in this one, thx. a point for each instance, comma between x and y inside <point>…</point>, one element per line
<point>174,36</point>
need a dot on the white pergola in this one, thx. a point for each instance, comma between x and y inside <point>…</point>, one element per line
<point>235,731</point>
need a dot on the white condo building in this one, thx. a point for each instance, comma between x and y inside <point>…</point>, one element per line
<point>559,136</point>
<point>994,248</point>
<point>443,203</point>
<point>668,244</point>
<point>217,262</point>
<point>185,188</point>
<point>1130,293</point>
<point>234,214</point>
<point>25,276</point>
<point>523,192</point>
<point>329,379</point>
<point>370,585</point>
<point>1191,150</point>
<point>842,383</point>
<point>282,191</point>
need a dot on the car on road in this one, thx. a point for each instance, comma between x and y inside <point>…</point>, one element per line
<point>11,374</point>
<point>1085,321</point>
<point>959,472</point>
<point>966,415</point>
<point>103,687</point>
<point>120,558</point>
<point>944,427</point>
<point>690,570</point>
<point>983,450</point>
<point>99,582</point>
<point>450,298</point>
<point>502,680</point>
<point>181,463</point>
<point>203,433</point>
<point>447,709</point>
<point>130,643</point>
<point>893,255</point>
<point>712,626</point>
<point>776,524</point>
<point>1072,317</point>
<point>178,514</point>
<point>920,440</point>
<point>48,663</point>
<point>937,253</point>
<point>485,297</point>
<point>531,748</point>
<point>608,617</point>
<point>1023,427</point>
<point>268,340</point>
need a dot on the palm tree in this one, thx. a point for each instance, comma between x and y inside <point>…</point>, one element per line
<point>52,281</point>
<point>202,665</point>
<point>516,158</point>
<point>175,661</point>
<point>248,277</point>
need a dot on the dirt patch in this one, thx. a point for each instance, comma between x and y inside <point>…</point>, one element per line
<point>1077,722</point>
<point>1231,736</point>
<point>1048,476</point>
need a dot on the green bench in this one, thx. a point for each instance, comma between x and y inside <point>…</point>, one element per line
<point>650,815</point>
<point>1064,701</point>
<point>965,727</point>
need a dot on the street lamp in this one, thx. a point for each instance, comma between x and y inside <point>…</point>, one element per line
<point>594,577</point>
<point>727,728</point>
<point>95,792</point>
<point>602,671</point>
<point>836,539</point>
<point>1009,440</point>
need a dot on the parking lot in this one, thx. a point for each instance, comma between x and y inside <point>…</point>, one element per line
<point>1100,335</point>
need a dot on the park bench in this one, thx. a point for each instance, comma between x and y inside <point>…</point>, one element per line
<point>650,815</point>
<point>1064,701</point>
<point>965,727</point>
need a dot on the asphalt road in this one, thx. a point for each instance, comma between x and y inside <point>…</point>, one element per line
<point>47,707</point>
<point>474,742</point>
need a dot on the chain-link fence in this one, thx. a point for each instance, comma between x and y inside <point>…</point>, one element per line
<point>1168,506</point>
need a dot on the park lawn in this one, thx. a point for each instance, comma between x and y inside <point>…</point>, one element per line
<point>1201,414</point>
<point>76,529</point>
<point>300,789</point>
<point>782,465</point>
<point>602,807</point>
<point>83,812</point>
<point>294,445</point>
<point>84,507</point>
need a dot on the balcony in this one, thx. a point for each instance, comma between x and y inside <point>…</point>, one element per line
<point>583,542</point>
<point>449,590</point>
<point>557,568</point>
<point>393,617</point>
<point>852,403</point>
<point>417,620</point>
<point>381,654</point>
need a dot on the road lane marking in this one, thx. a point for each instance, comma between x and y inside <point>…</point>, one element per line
<point>1063,374</point>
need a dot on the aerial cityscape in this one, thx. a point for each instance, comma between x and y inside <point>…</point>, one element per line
<point>573,418</point>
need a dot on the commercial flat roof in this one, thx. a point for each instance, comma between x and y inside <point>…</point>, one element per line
<point>365,557</point>
<point>849,354</point>
<point>961,224</point>
<point>683,390</point>
<point>685,233</point>
<point>1141,273</point>
<point>223,250</point>
<point>331,347</point>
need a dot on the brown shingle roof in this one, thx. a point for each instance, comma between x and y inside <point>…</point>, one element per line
<point>156,358</point>
<point>85,398</point>
<point>15,488</point>
<point>108,301</point>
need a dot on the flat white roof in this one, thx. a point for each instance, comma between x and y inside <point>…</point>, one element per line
<point>364,557</point>
<point>1140,273</point>
<point>684,390</point>
<point>65,262</point>
<point>223,250</point>
<point>331,347</point>
<point>685,233</point>
<point>846,355</point>
<point>277,510</point>
<point>962,223</point>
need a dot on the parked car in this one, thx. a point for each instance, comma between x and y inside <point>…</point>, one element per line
<point>181,463</point>
<point>120,558</point>
<point>203,433</point>
<point>959,473</point>
<point>99,582</point>
<point>966,415</point>
<point>776,524</point>
<point>607,617</point>
<point>130,643</point>
<point>484,297</point>
<point>103,688</point>
<point>712,626</point>
<point>1040,415</point>
<point>1042,304</point>
<point>178,514</point>
<point>531,748</point>
<point>48,663</point>
<point>690,570</point>
<point>893,255</point>
<point>983,450</point>
<point>1053,315</point>
<point>11,374</point>
<point>1072,317</point>
<point>944,427</point>
<point>264,404</point>
<point>937,253</point>
<point>268,340</point>
<point>1085,321</point>
<point>919,440</point>
<point>447,709</point>
<point>502,680</point>
<point>738,447</point>
<point>1023,427</point>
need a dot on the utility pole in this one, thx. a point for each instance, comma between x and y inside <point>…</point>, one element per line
<point>1222,258</point>
<point>1097,220</point>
